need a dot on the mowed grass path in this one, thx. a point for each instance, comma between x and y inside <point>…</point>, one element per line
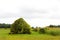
<point>34,36</point>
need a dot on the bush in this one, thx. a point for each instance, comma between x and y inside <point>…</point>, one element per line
<point>20,26</point>
<point>32,27</point>
<point>42,30</point>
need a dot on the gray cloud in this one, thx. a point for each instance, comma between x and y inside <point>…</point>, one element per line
<point>37,12</point>
<point>55,16</point>
<point>23,12</point>
<point>32,11</point>
<point>28,10</point>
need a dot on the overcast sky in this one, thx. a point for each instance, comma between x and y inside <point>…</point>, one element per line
<point>35,12</point>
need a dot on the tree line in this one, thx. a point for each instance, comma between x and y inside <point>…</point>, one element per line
<point>54,26</point>
<point>3,25</point>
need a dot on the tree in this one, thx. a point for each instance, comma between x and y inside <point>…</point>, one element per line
<point>53,26</point>
<point>20,26</point>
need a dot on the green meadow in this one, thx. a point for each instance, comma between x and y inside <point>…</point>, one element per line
<point>4,35</point>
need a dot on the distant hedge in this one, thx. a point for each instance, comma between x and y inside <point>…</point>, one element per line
<point>3,25</point>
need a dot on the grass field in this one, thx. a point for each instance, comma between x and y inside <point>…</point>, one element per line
<point>34,36</point>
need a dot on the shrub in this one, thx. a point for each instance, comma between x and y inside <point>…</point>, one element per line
<point>32,27</point>
<point>20,26</point>
<point>42,30</point>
